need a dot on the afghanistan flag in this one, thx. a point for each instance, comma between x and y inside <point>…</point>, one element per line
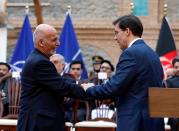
<point>166,48</point>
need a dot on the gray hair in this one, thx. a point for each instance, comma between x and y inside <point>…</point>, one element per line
<point>39,32</point>
<point>60,57</point>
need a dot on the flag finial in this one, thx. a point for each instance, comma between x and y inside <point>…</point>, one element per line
<point>27,9</point>
<point>165,6</point>
<point>69,9</point>
<point>132,7</point>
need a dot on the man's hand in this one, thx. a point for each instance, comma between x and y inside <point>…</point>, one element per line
<point>5,77</point>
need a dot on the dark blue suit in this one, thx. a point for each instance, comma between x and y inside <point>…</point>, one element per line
<point>138,69</point>
<point>43,89</point>
<point>173,82</point>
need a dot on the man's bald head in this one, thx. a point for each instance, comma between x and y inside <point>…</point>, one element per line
<point>41,32</point>
<point>46,39</point>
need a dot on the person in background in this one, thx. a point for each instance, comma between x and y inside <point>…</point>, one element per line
<point>93,76</point>
<point>96,65</point>
<point>107,66</point>
<point>170,72</point>
<point>59,62</point>
<point>137,70</point>
<point>104,108</point>
<point>173,82</point>
<point>4,75</point>
<point>43,89</point>
<point>75,69</point>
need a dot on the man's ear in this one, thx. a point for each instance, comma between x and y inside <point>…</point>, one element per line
<point>128,31</point>
<point>41,42</point>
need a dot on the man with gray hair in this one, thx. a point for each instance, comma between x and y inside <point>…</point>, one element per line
<point>59,62</point>
<point>43,89</point>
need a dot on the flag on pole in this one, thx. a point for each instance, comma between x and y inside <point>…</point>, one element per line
<point>23,47</point>
<point>69,46</point>
<point>166,48</point>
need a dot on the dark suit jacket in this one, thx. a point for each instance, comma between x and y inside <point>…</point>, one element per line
<point>138,69</point>
<point>43,89</point>
<point>173,82</point>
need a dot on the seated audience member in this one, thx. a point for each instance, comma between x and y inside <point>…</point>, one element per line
<point>173,82</point>
<point>93,75</point>
<point>104,109</point>
<point>107,67</point>
<point>96,65</point>
<point>75,70</point>
<point>59,62</point>
<point>4,75</point>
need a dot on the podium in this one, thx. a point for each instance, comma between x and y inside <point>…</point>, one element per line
<point>164,102</point>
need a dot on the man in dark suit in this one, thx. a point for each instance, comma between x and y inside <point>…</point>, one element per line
<point>75,69</point>
<point>5,75</point>
<point>173,82</point>
<point>43,89</point>
<point>138,69</point>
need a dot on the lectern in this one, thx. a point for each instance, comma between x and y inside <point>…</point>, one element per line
<point>164,102</point>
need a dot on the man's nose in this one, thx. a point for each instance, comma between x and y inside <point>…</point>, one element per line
<point>115,37</point>
<point>58,42</point>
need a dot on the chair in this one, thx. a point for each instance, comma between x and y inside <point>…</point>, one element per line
<point>14,89</point>
<point>167,127</point>
<point>68,126</point>
<point>95,126</point>
<point>75,110</point>
<point>8,125</point>
<point>101,122</point>
<point>1,105</point>
<point>103,111</point>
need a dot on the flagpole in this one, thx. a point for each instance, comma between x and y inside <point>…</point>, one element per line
<point>166,48</point>
<point>132,8</point>
<point>69,9</point>
<point>68,12</point>
<point>67,64</point>
<point>27,9</point>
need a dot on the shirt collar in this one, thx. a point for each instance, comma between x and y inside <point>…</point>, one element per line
<point>132,42</point>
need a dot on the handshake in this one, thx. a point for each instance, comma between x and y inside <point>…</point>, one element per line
<point>101,76</point>
<point>87,85</point>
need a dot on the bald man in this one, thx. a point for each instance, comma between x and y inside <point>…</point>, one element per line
<point>43,90</point>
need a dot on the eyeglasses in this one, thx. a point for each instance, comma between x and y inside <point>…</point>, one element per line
<point>76,69</point>
<point>105,67</point>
